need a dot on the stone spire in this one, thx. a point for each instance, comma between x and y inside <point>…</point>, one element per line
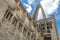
<point>35,15</point>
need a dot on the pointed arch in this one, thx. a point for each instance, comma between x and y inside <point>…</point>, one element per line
<point>35,15</point>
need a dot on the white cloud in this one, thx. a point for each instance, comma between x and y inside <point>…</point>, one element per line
<point>30,1</point>
<point>28,7</point>
<point>50,6</point>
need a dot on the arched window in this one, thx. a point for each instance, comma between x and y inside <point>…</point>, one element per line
<point>8,15</point>
<point>15,20</point>
<point>24,31</point>
<point>20,27</point>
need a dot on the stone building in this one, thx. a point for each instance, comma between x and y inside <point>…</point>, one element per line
<point>59,36</point>
<point>47,26</point>
<point>17,24</point>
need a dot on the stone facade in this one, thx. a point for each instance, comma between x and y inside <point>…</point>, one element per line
<point>59,36</point>
<point>47,26</point>
<point>16,23</point>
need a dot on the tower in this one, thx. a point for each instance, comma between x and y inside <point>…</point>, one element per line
<point>54,32</point>
<point>47,25</point>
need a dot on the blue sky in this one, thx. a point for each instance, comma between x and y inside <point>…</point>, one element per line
<point>50,7</point>
<point>57,16</point>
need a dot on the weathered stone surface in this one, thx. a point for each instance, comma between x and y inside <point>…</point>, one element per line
<point>18,25</point>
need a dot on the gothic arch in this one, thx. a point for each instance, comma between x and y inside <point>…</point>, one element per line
<point>36,12</point>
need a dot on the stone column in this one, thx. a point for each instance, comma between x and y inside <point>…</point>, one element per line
<point>35,15</point>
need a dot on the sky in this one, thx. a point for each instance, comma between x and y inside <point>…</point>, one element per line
<point>49,6</point>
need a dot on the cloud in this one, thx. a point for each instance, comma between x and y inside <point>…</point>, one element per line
<point>50,6</point>
<point>28,7</point>
<point>30,1</point>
